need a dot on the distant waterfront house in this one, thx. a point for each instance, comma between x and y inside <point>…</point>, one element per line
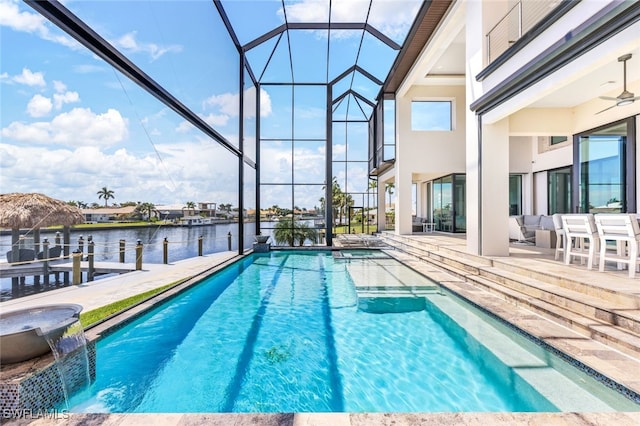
<point>102,215</point>
<point>177,211</point>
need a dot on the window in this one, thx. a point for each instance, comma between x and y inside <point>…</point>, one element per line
<point>554,140</point>
<point>515,195</point>
<point>432,115</point>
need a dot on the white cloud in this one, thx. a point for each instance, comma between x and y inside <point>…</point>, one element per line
<point>39,106</point>
<point>129,43</point>
<point>78,127</point>
<point>215,120</point>
<point>30,78</point>
<point>250,103</point>
<point>65,98</point>
<point>59,86</point>
<point>34,23</point>
<point>188,170</point>
<point>184,127</point>
<point>392,17</point>
<point>11,16</point>
<point>229,103</point>
<point>312,10</point>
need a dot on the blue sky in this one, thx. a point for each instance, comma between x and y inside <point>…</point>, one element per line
<point>70,124</point>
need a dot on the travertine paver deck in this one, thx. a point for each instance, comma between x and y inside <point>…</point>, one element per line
<point>347,419</point>
<point>92,295</point>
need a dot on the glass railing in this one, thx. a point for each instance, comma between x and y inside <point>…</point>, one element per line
<point>520,19</point>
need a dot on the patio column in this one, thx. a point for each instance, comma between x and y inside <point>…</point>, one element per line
<point>487,151</point>
<point>488,189</point>
<point>381,216</point>
<point>403,199</point>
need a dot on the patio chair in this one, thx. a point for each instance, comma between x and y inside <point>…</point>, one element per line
<point>581,237</point>
<point>560,237</point>
<point>625,231</point>
<point>528,225</point>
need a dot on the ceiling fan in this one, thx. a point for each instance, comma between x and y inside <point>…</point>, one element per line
<point>626,97</point>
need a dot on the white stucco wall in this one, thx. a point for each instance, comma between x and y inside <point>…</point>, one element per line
<point>520,154</point>
<point>433,152</point>
<point>429,154</point>
<point>637,162</point>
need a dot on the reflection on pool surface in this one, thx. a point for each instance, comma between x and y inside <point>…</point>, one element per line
<point>284,332</point>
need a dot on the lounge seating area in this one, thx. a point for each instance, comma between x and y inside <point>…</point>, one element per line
<point>527,225</point>
<point>418,224</point>
<point>594,239</point>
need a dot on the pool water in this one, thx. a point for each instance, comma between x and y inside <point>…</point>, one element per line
<point>285,332</point>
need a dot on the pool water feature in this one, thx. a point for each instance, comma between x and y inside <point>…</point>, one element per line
<point>283,332</point>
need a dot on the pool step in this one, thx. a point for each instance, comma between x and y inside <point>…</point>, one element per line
<point>604,315</point>
<point>396,291</point>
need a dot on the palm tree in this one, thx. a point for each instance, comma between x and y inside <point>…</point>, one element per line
<point>389,187</point>
<point>289,231</point>
<point>106,194</point>
<point>147,208</point>
<point>303,232</point>
<point>190,205</point>
<point>284,232</point>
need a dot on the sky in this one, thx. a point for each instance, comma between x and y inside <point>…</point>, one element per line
<point>70,124</point>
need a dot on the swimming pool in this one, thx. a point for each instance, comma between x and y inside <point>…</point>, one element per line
<point>292,332</point>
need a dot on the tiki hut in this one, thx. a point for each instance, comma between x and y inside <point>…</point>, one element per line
<point>33,211</point>
<point>18,210</point>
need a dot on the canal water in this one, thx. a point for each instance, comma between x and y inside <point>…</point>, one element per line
<point>183,243</point>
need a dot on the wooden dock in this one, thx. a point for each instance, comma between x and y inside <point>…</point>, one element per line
<point>35,268</point>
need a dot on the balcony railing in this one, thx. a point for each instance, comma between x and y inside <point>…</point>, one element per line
<point>518,20</point>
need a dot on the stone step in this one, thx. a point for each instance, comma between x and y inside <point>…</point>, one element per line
<point>550,276</point>
<point>575,301</point>
<point>599,319</point>
<point>474,265</point>
<point>470,264</point>
<point>615,337</point>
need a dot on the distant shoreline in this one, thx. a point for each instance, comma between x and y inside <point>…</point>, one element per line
<point>112,226</point>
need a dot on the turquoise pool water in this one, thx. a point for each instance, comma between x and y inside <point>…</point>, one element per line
<point>285,332</point>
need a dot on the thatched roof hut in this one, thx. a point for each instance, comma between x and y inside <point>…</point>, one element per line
<point>32,210</point>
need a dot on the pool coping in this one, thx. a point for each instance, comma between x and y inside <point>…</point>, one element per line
<point>335,419</point>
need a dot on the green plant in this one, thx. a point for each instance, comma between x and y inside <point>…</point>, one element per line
<point>288,231</point>
<point>95,315</point>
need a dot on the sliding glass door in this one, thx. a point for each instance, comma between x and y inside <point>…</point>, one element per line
<point>559,190</point>
<point>449,203</point>
<point>606,168</point>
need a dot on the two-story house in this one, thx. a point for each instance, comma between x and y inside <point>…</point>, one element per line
<point>500,108</point>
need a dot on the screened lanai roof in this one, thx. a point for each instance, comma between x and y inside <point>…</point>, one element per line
<point>351,43</point>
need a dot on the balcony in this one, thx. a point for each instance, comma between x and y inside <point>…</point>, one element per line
<point>521,18</point>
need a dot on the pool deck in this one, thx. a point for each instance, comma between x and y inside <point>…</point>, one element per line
<point>619,366</point>
<point>95,294</point>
